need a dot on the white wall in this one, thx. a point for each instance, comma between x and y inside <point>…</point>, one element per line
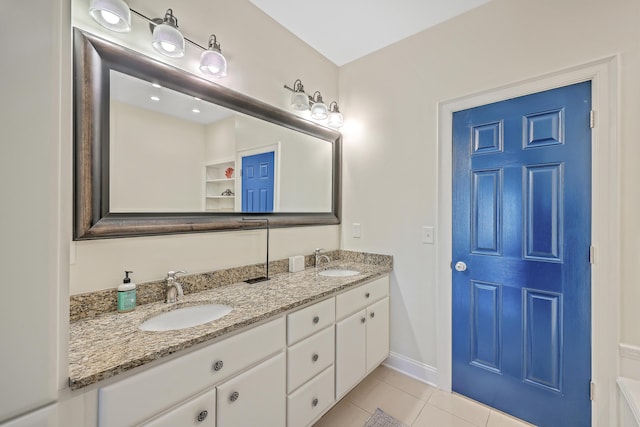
<point>220,141</point>
<point>164,157</point>
<point>390,134</point>
<point>262,56</point>
<point>305,175</point>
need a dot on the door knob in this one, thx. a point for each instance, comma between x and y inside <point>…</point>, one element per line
<point>460,266</point>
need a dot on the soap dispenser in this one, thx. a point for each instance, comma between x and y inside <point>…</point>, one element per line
<point>126,294</point>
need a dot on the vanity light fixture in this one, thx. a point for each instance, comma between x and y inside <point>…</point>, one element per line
<point>335,116</point>
<point>112,14</point>
<point>167,39</point>
<point>299,99</point>
<point>115,15</point>
<point>212,61</point>
<point>319,109</point>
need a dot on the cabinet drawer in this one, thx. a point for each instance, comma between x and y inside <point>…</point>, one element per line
<point>143,395</point>
<point>307,321</point>
<point>197,412</point>
<point>308,357</point>
<point>358,298</point>
<point>311,400</point>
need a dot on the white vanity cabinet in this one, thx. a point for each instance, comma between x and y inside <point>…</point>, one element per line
<point>362,332</point>
<point>310,358</point>
<point>286,372</point>
<point>141,397</point>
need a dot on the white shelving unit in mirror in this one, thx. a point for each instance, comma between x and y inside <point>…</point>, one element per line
<point>220,186</point>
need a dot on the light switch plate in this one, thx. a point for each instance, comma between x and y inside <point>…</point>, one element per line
<point>356,231</point>
<point>427,235</point>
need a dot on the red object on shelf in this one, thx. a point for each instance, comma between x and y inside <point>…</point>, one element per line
<point>229,172</point>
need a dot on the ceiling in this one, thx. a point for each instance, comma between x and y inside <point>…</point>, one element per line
<point>345,30</point>
<point>142,94</point>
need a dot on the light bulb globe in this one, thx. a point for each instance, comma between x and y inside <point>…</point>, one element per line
<point>168,40</point>
<point>213,63</point>
<point>299,101</point>
<point>114,15</point>
<point>319,111</point>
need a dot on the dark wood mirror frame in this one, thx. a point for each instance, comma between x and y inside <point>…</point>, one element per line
<point>93,59</point>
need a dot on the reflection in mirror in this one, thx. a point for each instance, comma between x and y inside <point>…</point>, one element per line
<point>141,171</point>
<point>172,152</point>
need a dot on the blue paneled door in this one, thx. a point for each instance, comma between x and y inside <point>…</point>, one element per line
<point>257,182</point>
<point>521,242</point>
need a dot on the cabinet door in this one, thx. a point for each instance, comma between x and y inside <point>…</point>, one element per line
<point>256,397</point>
<point>197,412</point>
<point>350,352</point>
<point>377,333</point>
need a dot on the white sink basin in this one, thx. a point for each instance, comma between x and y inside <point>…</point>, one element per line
<point>185,317</point>
<point>335,272</point>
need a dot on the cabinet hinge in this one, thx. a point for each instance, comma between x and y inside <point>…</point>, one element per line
<point>592,390</point>
<point>592,254</point>
<point>592,119</point>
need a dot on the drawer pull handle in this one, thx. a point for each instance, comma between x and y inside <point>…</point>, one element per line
<point>363,320</point>
<point>218,365</point>
<point>314,402</point>
<point>367,295</point>
<point>314,357</point>
<point>316,320</point>
<point>373,314</point>
<point>202,416</point>
<point>234,396</point>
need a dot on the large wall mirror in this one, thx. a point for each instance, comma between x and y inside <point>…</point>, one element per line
<point>161,151</point>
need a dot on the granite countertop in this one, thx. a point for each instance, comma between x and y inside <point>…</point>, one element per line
<point>111,343</point>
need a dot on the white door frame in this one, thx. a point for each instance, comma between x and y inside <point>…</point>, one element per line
<point>605,233</point>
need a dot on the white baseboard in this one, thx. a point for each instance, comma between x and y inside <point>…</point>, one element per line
<point>629,361</point>
<point>413,368</point>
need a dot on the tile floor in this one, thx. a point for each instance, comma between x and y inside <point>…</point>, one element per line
<point>412,402</point>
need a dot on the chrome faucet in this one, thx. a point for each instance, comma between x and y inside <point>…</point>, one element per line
<point>174,288</point>
<point>319,257</point>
